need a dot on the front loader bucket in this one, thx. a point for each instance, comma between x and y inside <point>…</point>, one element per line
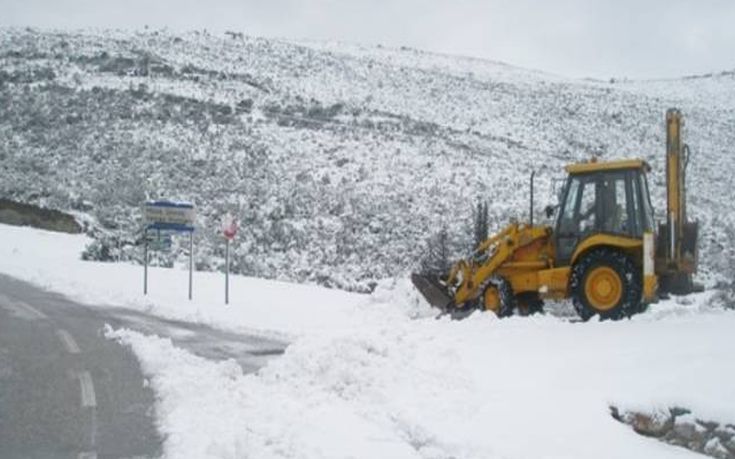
<point>432,291</point>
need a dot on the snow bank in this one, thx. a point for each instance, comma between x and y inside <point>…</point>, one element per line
<point>480,388</point>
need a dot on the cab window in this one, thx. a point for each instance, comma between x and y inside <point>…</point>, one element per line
<point>566,217</point>
<point>615,209</point>
<point>586,216</point>
<point>646,201</point>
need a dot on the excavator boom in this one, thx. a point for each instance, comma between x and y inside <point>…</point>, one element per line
<point>676,254</point>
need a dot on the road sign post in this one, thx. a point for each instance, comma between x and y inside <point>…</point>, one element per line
<point>168,217</point>
<point>191,262</point>
<point>145,262</point>
<point>227,272</point>
<point>229,230</point>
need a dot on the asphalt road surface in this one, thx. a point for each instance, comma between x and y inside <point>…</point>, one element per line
<point>67,392</point>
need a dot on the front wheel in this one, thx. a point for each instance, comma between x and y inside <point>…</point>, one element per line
<point>498,297</point>
<point>607,283</point>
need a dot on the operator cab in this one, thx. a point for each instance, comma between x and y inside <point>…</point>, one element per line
<point>602,198</point>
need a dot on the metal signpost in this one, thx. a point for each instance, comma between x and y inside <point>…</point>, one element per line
<point>166,217</point>
<point>229,230</point>
<point>156,241</point>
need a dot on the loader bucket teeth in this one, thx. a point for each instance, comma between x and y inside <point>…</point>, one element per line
<point>432,291</point>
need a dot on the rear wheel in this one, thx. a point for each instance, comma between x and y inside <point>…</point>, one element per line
<point>607,283</point>
<point>498,297</point>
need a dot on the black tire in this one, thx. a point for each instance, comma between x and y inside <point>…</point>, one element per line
<point>630,276</point>
<point>529,303</point>
<point>505,292</point>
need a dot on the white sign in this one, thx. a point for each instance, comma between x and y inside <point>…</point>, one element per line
<point>169,213</point>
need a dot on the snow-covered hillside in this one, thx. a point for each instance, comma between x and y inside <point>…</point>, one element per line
<point>340,160</point>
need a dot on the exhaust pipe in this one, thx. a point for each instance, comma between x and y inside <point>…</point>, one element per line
<point>530,216</point>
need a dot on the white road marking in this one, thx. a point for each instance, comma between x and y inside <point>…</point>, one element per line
<point>93,428</point>
<point>21,309</point>
<point>68,341</point>
<point>89,400</point>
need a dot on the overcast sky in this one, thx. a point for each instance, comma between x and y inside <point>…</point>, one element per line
<point>581,38</point>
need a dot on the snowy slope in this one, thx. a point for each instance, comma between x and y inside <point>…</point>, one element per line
<point>378,376</point>
<point>340,159</point>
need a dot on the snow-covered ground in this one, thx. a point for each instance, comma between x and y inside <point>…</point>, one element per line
<point>52,260</point>
<point>379,376</point>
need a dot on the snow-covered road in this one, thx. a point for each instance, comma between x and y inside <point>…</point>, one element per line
<point>65,391</point>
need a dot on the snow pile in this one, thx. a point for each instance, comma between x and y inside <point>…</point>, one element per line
<point>480,388</point>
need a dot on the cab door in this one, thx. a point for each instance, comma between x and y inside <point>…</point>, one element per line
<point>620,202</point>
<point>579,216</point>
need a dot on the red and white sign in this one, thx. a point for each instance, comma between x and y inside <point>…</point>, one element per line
<point>229,226</point>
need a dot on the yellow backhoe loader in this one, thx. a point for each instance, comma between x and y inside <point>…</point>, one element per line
<point>604,250</point>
